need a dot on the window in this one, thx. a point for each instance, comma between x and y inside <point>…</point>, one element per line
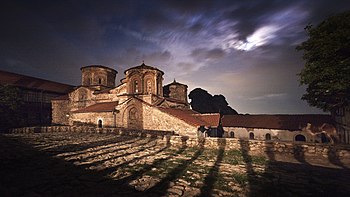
<point>251,136</point>
<point>99,125</point>
<point>99,80</point>
<point>136,87</point>
<point>232,134</point>
<point>149,86</point>
<point>300,138</point>
<point>268,136</point>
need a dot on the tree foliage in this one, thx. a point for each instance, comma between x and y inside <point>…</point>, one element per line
<point>327,63</point>
<point>10,106</point>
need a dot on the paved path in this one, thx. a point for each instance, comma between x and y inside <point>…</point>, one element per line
<point>82,164</point>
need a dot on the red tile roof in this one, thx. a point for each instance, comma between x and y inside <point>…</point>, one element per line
<point>63,97</point>
<point>99,107</point>
<point>285,122</point>
<point>23,81</point>
<point>144,66</point>
<point>192,117</point>
<point>211,119</point>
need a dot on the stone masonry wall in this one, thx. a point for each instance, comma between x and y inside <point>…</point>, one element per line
<point>89,129</point>
<point>60,110</point>
<point>153,118</point>
<point>266,148</point>
<point>93,118</point>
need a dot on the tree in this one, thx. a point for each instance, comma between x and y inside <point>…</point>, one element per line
<point>327,63</point>
<point>10,107</point>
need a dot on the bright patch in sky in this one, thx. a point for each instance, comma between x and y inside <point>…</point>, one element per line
<point>260,37</point>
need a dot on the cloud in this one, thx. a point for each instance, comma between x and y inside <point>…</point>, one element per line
<point>269,96</point>
<point>207,54</point>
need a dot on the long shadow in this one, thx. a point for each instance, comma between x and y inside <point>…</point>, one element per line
<point>110,151</point>
<point>77,146</point>
<point>147,167</point>
<point>334,158</point>
<point>211,178</point>
<point>299,153</point>
<point>108,146</point>
<point>25,171</point>
<point>112,169</point>
<point>160,189</point>
<point>101,161</point>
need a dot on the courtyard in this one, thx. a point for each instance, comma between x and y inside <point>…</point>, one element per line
<point>91,164</point>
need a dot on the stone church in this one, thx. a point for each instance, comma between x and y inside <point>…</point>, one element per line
<point>140,101</point>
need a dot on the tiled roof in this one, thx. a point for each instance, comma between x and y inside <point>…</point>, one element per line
<point>192,117</point>
<point>144,66</point>
<point>24,81</point>
<point>99,107</point>
<point>210,119</point>
<point>63,97</point>
<point>99,66</point>
<point>285,122</point>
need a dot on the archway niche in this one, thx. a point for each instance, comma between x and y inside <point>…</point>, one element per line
<point>300,138</point>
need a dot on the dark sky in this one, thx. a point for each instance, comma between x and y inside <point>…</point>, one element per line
<point>244,50</point>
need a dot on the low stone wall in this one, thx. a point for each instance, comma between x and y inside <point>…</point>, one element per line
<point>86,129</point>
<point>266,148</point>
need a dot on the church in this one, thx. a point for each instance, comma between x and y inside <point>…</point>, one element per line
<point>139,102</point>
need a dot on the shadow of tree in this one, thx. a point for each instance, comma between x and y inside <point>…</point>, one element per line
<point>211,178</point>
<point>160,189</point>
<point>25,171</point>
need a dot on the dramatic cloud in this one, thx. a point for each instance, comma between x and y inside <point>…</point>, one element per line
<point>244,50</point>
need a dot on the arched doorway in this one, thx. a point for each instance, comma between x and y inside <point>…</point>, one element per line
<point>300,138</point>
<point>232,134</point>
<point>99,123</point>
<point>268,136</point>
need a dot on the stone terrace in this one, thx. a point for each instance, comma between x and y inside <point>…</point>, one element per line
<point>92,164</point>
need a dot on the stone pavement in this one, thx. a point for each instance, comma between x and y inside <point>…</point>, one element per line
<point>87,164</point>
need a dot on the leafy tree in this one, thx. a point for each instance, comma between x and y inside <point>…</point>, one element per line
<point>10,107</point>
<point>327,68</point>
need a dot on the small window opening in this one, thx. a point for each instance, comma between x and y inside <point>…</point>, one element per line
<point>268,136</point>
<point>251,136</point>
<point>99,124</point>
<point>232,134</point>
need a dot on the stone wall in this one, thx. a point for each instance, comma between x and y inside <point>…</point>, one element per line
<point>88,129</point>
<point>153,118</point>
<point>260,134</point>
<point>266,148</point>
<point>93,118</point>
<point>60,110</point>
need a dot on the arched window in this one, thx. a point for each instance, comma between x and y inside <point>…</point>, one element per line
<point>149,87</point>
<point>251,136</point>
<point>136,86</point>
<point>99,125</point>
<point>99,81</point>
<point>300,138</point>
<point>268,136</point>
<point>232,134</point>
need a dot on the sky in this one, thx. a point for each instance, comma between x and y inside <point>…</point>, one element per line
<point>244,50</point>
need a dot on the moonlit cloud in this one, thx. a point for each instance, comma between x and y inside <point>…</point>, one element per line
<point>269,96</point>
<point>244,50</point>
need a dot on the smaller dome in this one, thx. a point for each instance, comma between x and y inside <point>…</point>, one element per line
<point>144,66</point>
